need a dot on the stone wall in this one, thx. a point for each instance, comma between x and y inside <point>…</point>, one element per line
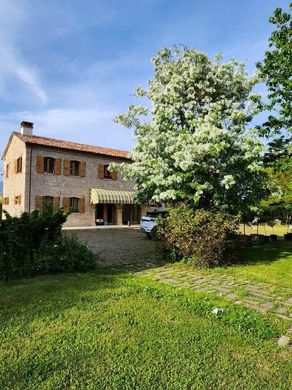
<point>46,184</point>
<point>14,184</point>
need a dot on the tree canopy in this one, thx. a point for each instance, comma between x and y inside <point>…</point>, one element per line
<point>192,139</point>
<point>275,70</point>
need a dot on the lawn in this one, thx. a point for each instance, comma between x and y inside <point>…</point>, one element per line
<point>110,330</point>
<point>265,229</point>
<point>270,263</point>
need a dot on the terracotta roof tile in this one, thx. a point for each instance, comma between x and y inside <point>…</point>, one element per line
<point>51,142</point>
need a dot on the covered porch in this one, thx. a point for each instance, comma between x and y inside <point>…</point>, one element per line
<point>115,207</point>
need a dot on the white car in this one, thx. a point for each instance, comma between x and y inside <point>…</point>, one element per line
<point>148,223</point>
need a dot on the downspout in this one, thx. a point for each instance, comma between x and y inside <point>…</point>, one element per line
<point>29,182</point>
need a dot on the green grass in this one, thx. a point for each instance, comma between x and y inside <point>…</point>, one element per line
<point>270,263</point>
<point>265,229</point>
<point>107,330</point>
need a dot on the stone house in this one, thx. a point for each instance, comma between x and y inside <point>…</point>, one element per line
<point>40,172</point>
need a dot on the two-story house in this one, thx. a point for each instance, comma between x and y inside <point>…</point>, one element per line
<point>40,172</point>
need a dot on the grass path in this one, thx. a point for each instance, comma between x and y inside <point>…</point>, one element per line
<point>263,281</point>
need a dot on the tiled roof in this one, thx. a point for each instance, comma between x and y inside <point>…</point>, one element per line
<point>51,142</point>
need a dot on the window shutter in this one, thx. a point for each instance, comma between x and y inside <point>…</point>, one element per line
<point>56,201</point>
<point>66,205</point>
<point>58,166</point>
<point>40,164</point>
<point>15,166</point>
<point>7,170</point>
<point>66,167</point>
<point>38,203</point>
<point>82,205</point>
<point>114,175</point>
<point>100,171</point>
<point>82,168</point>
<point>20,165</point>
<point>19,199</point>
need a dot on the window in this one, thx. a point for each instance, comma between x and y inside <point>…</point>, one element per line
<point>74,205</point>
<point>106,172</point>
<point>48,202</point>
<point>7,170</point>
<point>18,165</point>
<point>74,168</point>
<point>6,201</point>
<point>17,200</point>
<point>49,165</point>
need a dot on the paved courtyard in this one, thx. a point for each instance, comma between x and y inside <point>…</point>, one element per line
<point>121,245</point>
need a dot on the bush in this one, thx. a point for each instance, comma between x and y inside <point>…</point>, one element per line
<point>205,238</point>
<point>68,254</point>
<point>34,244</point>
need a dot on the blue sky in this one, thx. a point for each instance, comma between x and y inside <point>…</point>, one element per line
<point>70,66</point>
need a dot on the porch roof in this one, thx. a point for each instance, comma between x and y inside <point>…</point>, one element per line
<point>98,195</point>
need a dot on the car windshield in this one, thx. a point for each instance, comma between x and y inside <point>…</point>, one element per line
<point>156,214</point>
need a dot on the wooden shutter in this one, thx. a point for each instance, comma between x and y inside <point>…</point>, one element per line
<point>100,171</point>
<point>82,168</point>
<point>82,205</point>
<point>38,203</point>
<point>15,166</point>
<point>19,199</point>
<point>58,166</point>
<point>40,164</point>
<point>56,201</point>
<point>7,170</point>
<point>66,205</point>
<point>20,164</point>
<point>114,175</point>
<point>66,167</point>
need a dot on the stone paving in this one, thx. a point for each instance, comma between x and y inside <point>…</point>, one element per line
<point>260,296</point>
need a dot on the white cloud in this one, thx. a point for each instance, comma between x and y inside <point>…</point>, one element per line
<point>91,126</point>
<point>13,67</point>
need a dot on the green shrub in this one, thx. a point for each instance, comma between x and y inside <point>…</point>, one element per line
<point>68,254</point>
<point>204,238</point>
<point>33,244</point>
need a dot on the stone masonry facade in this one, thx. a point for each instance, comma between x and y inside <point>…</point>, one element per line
<point>32,184</point>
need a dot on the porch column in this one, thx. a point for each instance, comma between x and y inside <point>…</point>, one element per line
<point>119,214</point>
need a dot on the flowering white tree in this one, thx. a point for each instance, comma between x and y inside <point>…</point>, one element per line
<point>192,139</point>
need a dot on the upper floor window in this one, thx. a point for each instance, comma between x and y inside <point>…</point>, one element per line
<point>49,165</point>
<point>7,170</point>
<point>18,165</point>
<point>104,173</point>
<point>74,168</point>
<point>6,201</point>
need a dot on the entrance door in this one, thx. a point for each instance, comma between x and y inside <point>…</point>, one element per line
<point>131,214</point>
<point>110,214</point>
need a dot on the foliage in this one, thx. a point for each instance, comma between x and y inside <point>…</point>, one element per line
<point>192,144</point>
<point>33,244</point>
<point>206,238</point>
<point>109,330</point>
<point>276,72</point>
<point>279,154</point>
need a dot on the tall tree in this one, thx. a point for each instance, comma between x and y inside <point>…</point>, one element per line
<point>192,142</point>
<point>276,72</point>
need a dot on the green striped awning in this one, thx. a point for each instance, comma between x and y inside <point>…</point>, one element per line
<point>111,196</point>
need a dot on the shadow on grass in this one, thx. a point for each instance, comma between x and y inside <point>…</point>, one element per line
<point>264,254</point>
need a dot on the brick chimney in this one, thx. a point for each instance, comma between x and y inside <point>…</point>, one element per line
<point>26,128</point>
